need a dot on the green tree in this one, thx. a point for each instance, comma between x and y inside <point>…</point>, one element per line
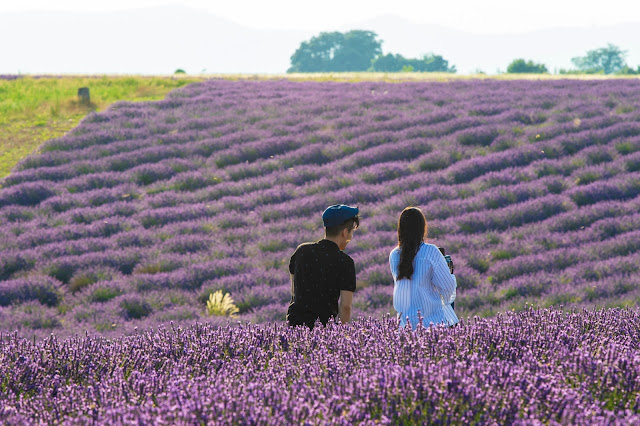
<point>389,63</point>
<point>432,63</point>
<point>520,66</point>
<point>358,50</point>
<point>606,60</point>
<point>336,52</point>
<point>398,63</point>
<point>626,70</point>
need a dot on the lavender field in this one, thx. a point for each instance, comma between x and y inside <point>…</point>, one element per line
<point>133,218</point>
<point>532,367</point>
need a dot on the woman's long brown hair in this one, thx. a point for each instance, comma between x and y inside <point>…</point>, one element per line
<point>412,230</point>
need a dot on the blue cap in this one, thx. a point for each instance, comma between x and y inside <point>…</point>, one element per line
<point>337,214</point>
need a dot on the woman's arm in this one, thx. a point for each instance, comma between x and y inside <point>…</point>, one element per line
<point>393,263</point>
<point>443,279</point>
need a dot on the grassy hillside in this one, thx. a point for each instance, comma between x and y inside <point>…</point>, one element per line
<point>35,109</point>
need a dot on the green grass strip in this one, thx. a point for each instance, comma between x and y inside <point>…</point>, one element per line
<point>34,110</point>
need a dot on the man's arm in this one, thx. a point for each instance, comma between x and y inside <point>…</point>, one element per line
<point>346,297</point>
<point>291,276</point>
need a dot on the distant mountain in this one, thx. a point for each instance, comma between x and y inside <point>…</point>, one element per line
<point>161,39</point>
<point>143,41</point>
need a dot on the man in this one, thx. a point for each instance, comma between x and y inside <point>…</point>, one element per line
<point>321,273</point>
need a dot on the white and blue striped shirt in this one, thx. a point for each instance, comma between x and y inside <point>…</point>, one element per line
<point>431,289</point>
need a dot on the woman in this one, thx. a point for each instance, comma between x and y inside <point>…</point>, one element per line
<point>423,284</point>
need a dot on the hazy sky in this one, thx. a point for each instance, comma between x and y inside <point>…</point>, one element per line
<point>259,36</point>
<point>478,16</point>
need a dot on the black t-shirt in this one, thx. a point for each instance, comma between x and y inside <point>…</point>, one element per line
<point>320,271</point>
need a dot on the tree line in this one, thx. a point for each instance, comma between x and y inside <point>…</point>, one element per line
<point>361,50</point>
<point>358,50</point>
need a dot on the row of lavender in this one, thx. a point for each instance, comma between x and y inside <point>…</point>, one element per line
<point>135,216</point>
<point>531,367</point>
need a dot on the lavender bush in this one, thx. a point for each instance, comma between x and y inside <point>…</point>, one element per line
<point>533,188</point>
